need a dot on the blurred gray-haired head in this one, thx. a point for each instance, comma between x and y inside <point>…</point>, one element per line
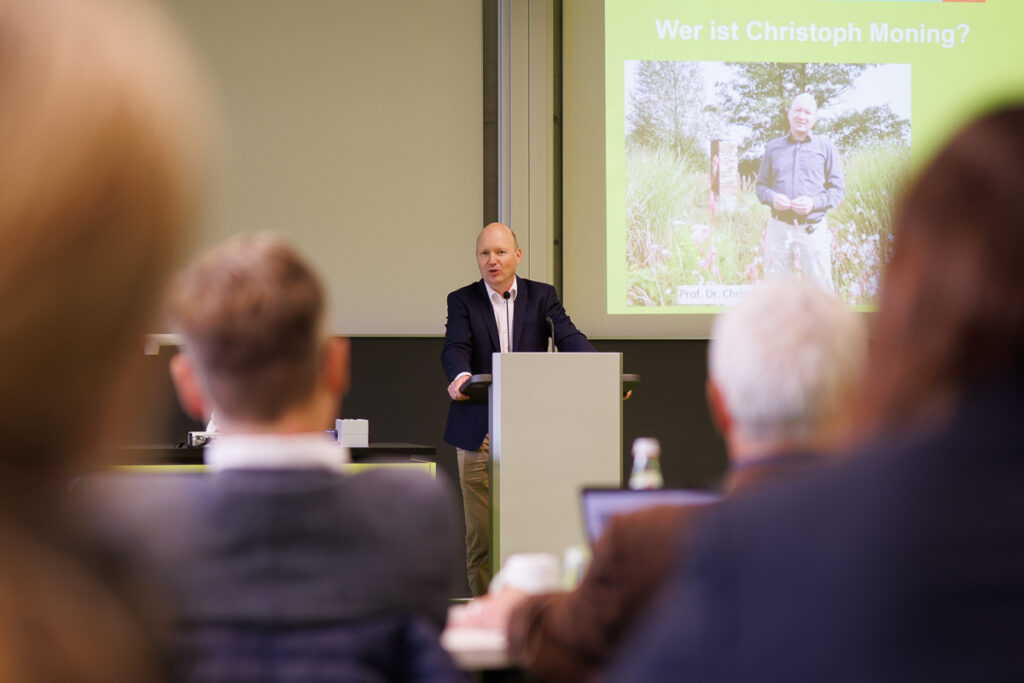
<point>785,361</point>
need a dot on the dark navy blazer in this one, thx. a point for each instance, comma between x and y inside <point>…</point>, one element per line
<point>299,574</point>
<point>905,563</point>
<point>471,336</point>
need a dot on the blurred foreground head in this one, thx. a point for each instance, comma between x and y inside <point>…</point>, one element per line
<point>951,311</point>
<point>100,138</point>
<point>782,368</point>
<point>100,135</point>
<point>256,350</point>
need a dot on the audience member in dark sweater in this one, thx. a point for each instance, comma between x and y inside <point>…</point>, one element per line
<point>905,562</point>
<point>783,364</point>
<point>275,550</point>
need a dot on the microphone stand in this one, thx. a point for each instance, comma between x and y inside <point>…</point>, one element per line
<point>508,326</point>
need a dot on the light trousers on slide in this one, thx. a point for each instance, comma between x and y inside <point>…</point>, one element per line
<point>785,243</point>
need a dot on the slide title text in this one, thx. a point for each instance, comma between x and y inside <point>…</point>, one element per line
<point>791,32</point>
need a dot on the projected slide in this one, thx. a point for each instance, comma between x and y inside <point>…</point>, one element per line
<point>749,139</point>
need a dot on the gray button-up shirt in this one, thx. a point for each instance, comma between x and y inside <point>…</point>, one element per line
<point>810,167</point>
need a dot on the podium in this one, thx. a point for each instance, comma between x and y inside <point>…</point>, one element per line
<point>555,426</point>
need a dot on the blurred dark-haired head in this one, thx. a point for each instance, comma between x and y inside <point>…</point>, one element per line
<point>951,312</point>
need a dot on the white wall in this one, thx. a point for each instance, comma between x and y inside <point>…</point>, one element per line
<point>356,128</point>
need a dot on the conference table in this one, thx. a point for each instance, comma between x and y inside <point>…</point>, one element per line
<point>482,652</point>
<point>183,456</point>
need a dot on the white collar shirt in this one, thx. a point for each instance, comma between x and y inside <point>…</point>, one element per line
<point>504,313</point>
<point>275,451</point>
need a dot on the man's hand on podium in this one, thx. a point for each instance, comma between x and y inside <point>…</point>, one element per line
<point>456,385</point>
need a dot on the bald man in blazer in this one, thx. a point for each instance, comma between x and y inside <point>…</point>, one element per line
<point>499,313</point>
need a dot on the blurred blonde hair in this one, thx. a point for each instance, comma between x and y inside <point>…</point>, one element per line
<point>60,624</point>
<point>251,313</point>
<point>102,133</point>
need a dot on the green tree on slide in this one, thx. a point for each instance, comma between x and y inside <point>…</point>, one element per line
<point>759,94</point>
<point>667,109</point>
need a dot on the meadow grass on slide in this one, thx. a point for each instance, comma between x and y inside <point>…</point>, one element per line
<point>673,237</point>
<point>864,220</point>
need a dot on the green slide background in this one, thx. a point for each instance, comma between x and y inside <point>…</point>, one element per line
<point>948,84</point>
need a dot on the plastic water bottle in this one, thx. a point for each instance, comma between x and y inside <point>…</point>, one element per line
<point>646,472</point>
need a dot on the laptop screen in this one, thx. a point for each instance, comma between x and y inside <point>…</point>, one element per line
<point>601,504</point>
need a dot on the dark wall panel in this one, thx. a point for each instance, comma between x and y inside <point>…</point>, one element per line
<point>669,405</point>
<point>398,385</point>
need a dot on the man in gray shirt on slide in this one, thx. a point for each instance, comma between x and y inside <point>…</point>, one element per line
<point>801,177</point>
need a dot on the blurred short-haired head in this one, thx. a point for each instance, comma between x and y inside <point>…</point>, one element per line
<point>251,312</point>
<point>102,132</point>
<point>786,360</point>
<point>951,309</point>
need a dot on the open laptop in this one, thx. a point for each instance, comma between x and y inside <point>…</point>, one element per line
<point>601,504</point>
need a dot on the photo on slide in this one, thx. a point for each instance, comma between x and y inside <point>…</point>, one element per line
<point>695,138</point>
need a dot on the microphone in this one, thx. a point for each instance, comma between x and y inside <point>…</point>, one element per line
<point>551,324</point>
<point>508,331</point>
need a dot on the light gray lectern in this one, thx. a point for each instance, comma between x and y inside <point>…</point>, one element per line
<point>555,426</point>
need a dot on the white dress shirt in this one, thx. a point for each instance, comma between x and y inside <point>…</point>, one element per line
<point>499,304</point>
<point>504,325</point>
<point>274,451</point>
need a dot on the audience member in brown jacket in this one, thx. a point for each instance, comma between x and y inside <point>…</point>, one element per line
<point>782,365</point>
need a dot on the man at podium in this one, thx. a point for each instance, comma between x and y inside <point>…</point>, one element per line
<point>499,313</point>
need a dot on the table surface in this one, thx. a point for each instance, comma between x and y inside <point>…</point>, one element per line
<point>179,454</point>
<point>476,649</point>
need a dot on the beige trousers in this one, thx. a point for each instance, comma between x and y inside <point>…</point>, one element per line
<point>474,479</point>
